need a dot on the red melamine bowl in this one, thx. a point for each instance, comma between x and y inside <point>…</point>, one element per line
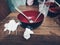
<point>54,9</point>
<point>33,14</point>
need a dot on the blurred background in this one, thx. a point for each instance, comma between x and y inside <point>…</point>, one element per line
<point>46,34</point>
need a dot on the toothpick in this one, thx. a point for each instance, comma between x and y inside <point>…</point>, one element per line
<point>57,3</point>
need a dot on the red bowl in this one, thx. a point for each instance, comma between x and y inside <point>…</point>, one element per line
<point>33,14</point>
<point>53,7</point>
<point>54,10</point>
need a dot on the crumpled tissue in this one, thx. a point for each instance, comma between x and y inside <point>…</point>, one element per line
<point>27,33</point>
<point>11,26</point>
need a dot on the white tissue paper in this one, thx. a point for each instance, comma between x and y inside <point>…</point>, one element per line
<point>27,33</point>
<point>11,26</point>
